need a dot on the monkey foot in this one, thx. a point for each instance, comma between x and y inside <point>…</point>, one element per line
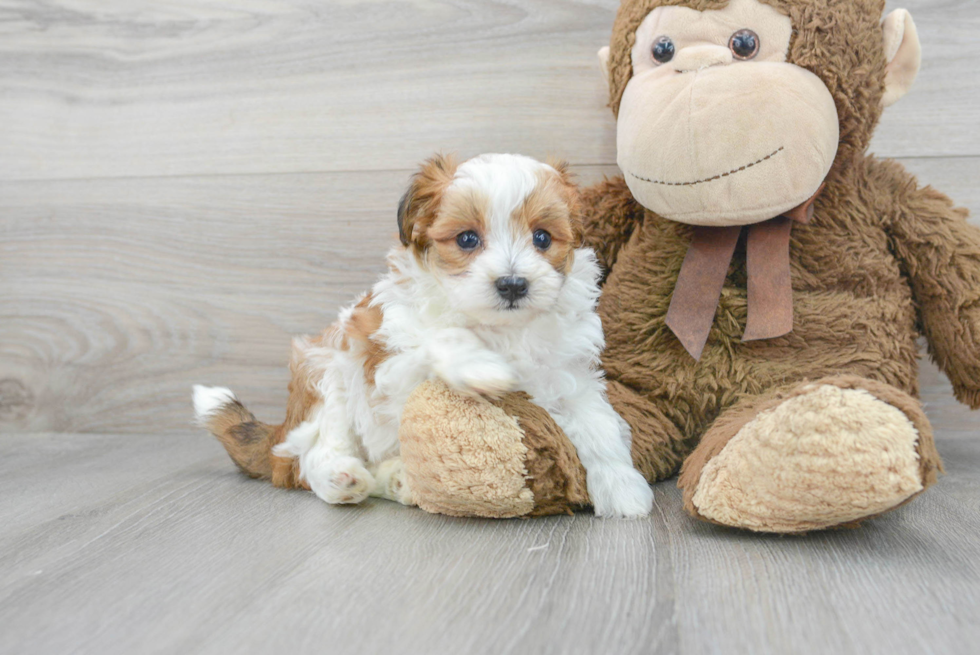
<point>827,455</point>
<point>468,456</point>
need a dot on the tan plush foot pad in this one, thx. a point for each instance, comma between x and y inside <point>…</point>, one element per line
<point>463,456</point>
<point>823,458</point>
<point>470,457</point>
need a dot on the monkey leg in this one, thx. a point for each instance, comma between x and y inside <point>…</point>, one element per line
<point>815,455</point>
<point>469,457</point>
<point>465,456</point>
<point>658,446</point>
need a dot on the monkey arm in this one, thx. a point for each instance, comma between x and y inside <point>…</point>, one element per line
<point>609,216</point>
<point>940,253</point>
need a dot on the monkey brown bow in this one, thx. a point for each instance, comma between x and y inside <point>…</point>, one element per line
<point>702,276</point>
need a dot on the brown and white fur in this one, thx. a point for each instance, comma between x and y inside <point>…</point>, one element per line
<point>515,311</point>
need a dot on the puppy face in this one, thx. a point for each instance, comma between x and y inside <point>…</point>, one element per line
<point>498,232</point>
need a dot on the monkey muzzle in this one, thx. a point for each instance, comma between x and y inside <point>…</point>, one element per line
<point>726,145</point>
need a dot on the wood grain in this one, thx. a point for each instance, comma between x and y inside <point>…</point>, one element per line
<point>180,553</point>
<point>112,88</point>
<point>120,294</point>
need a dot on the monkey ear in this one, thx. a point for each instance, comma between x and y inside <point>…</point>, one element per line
<point>604,62</point>
<point>903,54</point>
<point>573,197</point>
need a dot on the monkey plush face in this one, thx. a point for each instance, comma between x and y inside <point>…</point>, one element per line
<point>715,128</point>
<point>725,116</point>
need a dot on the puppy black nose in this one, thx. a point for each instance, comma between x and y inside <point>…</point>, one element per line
<point>511,288</point>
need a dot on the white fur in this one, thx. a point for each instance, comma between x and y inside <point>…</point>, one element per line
<point>456,328</point>
<point>208,400</point>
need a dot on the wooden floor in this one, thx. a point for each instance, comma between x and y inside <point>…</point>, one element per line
<point>154,543</point>
<point>186,183</point>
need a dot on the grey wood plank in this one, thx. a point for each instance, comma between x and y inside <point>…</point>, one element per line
<point>77,472</point>
<point>111,285</point>
<point>107,89</point>
<point>200,563</point>
<point>119,294</point>
<point>203,560</point>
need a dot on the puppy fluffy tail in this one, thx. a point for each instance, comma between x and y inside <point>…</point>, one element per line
<point>248,442</point>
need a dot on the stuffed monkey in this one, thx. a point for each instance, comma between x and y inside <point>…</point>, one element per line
<point>767,281</point>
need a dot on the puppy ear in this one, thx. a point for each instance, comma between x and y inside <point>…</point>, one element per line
<point>418,206</point>
<point>572,195</point>
<point>576,218</point>
<point>561,167</point>
<point>404,206</point>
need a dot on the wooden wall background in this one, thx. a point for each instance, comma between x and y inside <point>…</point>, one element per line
<point>186,183</point>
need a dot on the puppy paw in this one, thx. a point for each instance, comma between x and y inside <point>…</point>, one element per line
<point>390,482</point>
<point>619,492</point>
<point>341,480</point>
<point>463,362</point>
<point>480,373</point>
<point>488,375</point>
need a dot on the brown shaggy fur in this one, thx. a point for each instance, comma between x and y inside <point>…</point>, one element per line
<point>882,263</point>
<point>555,475</point>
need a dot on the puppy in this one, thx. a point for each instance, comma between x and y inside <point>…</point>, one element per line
<point>488,292</point>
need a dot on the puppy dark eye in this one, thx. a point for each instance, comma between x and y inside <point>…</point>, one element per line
<point>663,49</point>
<point>744,44</point>
<point>541,239</point>
<point>468,240</point>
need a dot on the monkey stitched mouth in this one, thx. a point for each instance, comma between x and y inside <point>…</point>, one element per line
<point>715,177</point>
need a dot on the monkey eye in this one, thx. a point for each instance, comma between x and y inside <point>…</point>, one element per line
<point>663,49</point>
<point>468,240</point>
<point>744,44</point>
